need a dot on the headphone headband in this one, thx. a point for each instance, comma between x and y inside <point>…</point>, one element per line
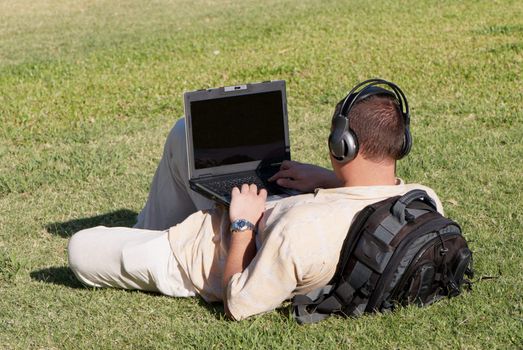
<point>400,96</point>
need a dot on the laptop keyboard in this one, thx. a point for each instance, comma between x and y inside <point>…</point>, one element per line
<point>225,186</point>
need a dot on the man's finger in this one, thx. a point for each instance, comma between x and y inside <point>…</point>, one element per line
<point>280,174</point>
<point>263,193</point>
<point>288,183</point>
<point>235,191</point>
<point>289,164</point>
<point>245,188</point>
<point>253,188</point>
<point>284,182</point>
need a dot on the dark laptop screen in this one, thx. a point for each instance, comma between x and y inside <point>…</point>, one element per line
<point>238,129</point>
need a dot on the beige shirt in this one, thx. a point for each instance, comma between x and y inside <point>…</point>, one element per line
<point>299,243</point>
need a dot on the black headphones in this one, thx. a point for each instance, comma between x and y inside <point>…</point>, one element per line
<point>343,143</point>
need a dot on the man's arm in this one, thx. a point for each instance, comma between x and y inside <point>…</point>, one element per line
<point>305,177</point>
<point>246,204</point>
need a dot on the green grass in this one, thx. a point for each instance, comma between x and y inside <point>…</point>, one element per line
<point>90,89</point>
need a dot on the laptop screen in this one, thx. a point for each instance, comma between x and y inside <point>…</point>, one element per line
<point>238,129</point>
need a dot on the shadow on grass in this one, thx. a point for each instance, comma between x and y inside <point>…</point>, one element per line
<point>63,276</point>
<point>215,309</point>
<point>57,275</point>
<point>121,217</point>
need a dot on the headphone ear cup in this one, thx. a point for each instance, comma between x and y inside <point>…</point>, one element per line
<point>338,127</point>
<point>343,144</point>
<point>407,143</point>
<point>351,146</point>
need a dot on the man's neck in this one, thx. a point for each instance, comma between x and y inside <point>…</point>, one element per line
<point>362,172</point>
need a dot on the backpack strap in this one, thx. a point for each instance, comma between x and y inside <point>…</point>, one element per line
<point>351,239</point>
<point>300,305</point>
<point>347,296</point>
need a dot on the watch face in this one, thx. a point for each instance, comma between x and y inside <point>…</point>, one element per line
<point>241,225</point>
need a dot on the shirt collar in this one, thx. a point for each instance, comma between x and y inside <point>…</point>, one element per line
<point>364,192</point>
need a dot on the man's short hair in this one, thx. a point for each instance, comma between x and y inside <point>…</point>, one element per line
<point>379,127</point>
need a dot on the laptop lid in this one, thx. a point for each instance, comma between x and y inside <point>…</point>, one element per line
<point>233,129</point>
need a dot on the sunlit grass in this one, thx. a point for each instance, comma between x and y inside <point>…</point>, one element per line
<point>90,89</point>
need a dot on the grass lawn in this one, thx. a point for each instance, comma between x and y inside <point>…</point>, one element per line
<point>90,88</point>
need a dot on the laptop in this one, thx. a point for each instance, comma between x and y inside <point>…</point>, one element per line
<point>236,134</point>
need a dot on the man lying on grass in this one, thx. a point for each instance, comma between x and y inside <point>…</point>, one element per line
<point>275,250</point>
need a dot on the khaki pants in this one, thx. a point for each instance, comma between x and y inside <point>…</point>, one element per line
<point>141,257</point>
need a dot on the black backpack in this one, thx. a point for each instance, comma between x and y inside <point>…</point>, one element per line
<point>397,251</point>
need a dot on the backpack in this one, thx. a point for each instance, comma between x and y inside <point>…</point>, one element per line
<point>398,251</point>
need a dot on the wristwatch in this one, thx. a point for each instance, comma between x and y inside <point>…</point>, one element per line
<point>241,225</point>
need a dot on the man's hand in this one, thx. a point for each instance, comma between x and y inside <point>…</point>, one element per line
<point>305,177</point>
<point>247,203</point>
